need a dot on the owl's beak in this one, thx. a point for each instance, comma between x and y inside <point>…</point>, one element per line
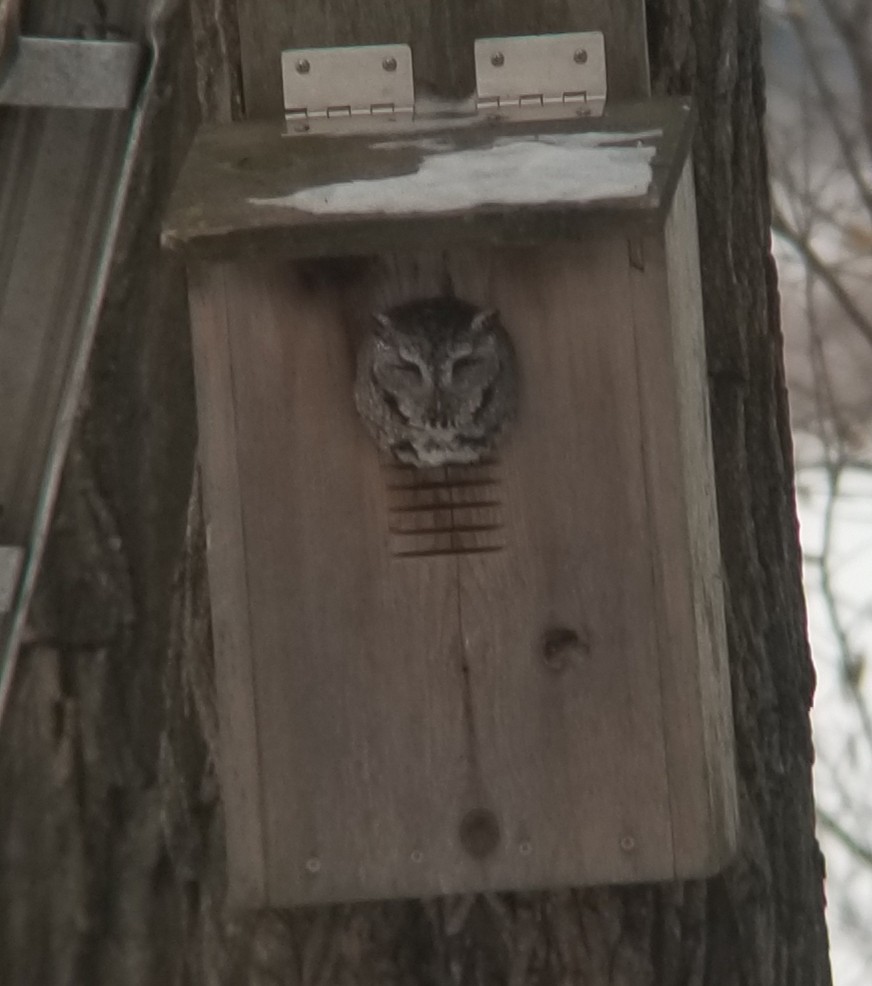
<point>437,418</point>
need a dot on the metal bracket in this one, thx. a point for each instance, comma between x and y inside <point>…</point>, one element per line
<point>63,73</point>
<point>344,89</point>
<point>524,76</point>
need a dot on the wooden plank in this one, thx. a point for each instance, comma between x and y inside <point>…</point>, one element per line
<point>691,388</point>
<point>440,33</point>
<point>664,278</point>
<point>355,653</point>
<point>208,290</point>
<point>246,188</point>
<point>573,753</point>
<point>398,720</point>
<point>10,20</point>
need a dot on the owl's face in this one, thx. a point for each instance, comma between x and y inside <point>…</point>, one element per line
<point>437,374</point>
<point>436,381</point>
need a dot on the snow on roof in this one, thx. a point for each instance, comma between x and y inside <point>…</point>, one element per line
<point>523,170</point>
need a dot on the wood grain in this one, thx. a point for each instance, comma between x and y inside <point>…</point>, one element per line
<point>355,653</point>
<point>664,278</point>
<point>210,292</point>
<point>691,390</point>
<point>10,19</point>
<point>441,34</point>
<point>463,719</point>
<point>572,750</point>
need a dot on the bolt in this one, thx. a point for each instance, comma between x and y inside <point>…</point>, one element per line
<point>580,57</point>
<point>558,646</point>
<point>389,64</point>
<point>313,864</point>
<point>479,832</point>
<point>498,59</point>
<point>628,843</point>
<point>303,66</point>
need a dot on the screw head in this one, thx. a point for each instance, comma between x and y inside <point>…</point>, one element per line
<point>389,64</point>
<point>313,864</point>
<point>303,66</point>
<point>580,57</point>
<point>498,59</point>
<point>628,843</point>
<point>416,856</point>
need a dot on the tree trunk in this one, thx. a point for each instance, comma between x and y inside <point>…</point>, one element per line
<point>111,842</point>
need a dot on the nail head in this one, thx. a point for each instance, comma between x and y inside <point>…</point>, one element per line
<point>303,66</point>
<point>580,56</point>
<point>498,59</point>
<point>389,64</point>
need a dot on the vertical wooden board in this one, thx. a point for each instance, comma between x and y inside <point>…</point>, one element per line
<point>10,18</point>
<point>573,758</point>
<point>356,653</point>
<point>686,319</point>
<point>440,33</point>
<point>663,280</point>
<point>397,696</point>
<point>240,765</point>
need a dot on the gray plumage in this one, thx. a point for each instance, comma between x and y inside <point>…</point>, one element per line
<point>436,382</point>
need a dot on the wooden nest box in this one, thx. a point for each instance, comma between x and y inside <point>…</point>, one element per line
<point>511,674</point>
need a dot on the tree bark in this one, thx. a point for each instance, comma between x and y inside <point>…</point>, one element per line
<point>111,842</point>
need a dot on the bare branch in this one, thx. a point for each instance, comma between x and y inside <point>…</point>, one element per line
<point>861,322</point>
<point>832,105</point>
<point>855,847</point>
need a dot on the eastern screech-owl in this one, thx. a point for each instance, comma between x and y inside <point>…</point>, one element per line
<point>436,381</point>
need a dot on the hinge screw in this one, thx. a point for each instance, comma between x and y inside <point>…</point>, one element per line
<point>580,57</point>
<point>389,64</point>
<point>498,59</point>
<point>303,66</point>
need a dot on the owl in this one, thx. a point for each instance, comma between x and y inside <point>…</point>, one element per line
<point>436,382</point>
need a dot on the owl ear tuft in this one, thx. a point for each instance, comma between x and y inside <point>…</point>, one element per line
<point>383,324</point>
<point>482,321</point>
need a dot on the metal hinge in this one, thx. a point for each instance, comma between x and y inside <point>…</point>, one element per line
<point>352,85</point>
<point>371,87</point>
<point>519,76</point>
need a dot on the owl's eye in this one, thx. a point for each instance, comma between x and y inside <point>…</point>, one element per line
<point>408,368</point>
<point>464,363</point>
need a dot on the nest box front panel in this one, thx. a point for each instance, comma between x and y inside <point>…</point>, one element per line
<point>469,677</point>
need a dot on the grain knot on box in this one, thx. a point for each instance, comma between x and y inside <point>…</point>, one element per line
<point>511,675</point>
<point>455,510</point>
